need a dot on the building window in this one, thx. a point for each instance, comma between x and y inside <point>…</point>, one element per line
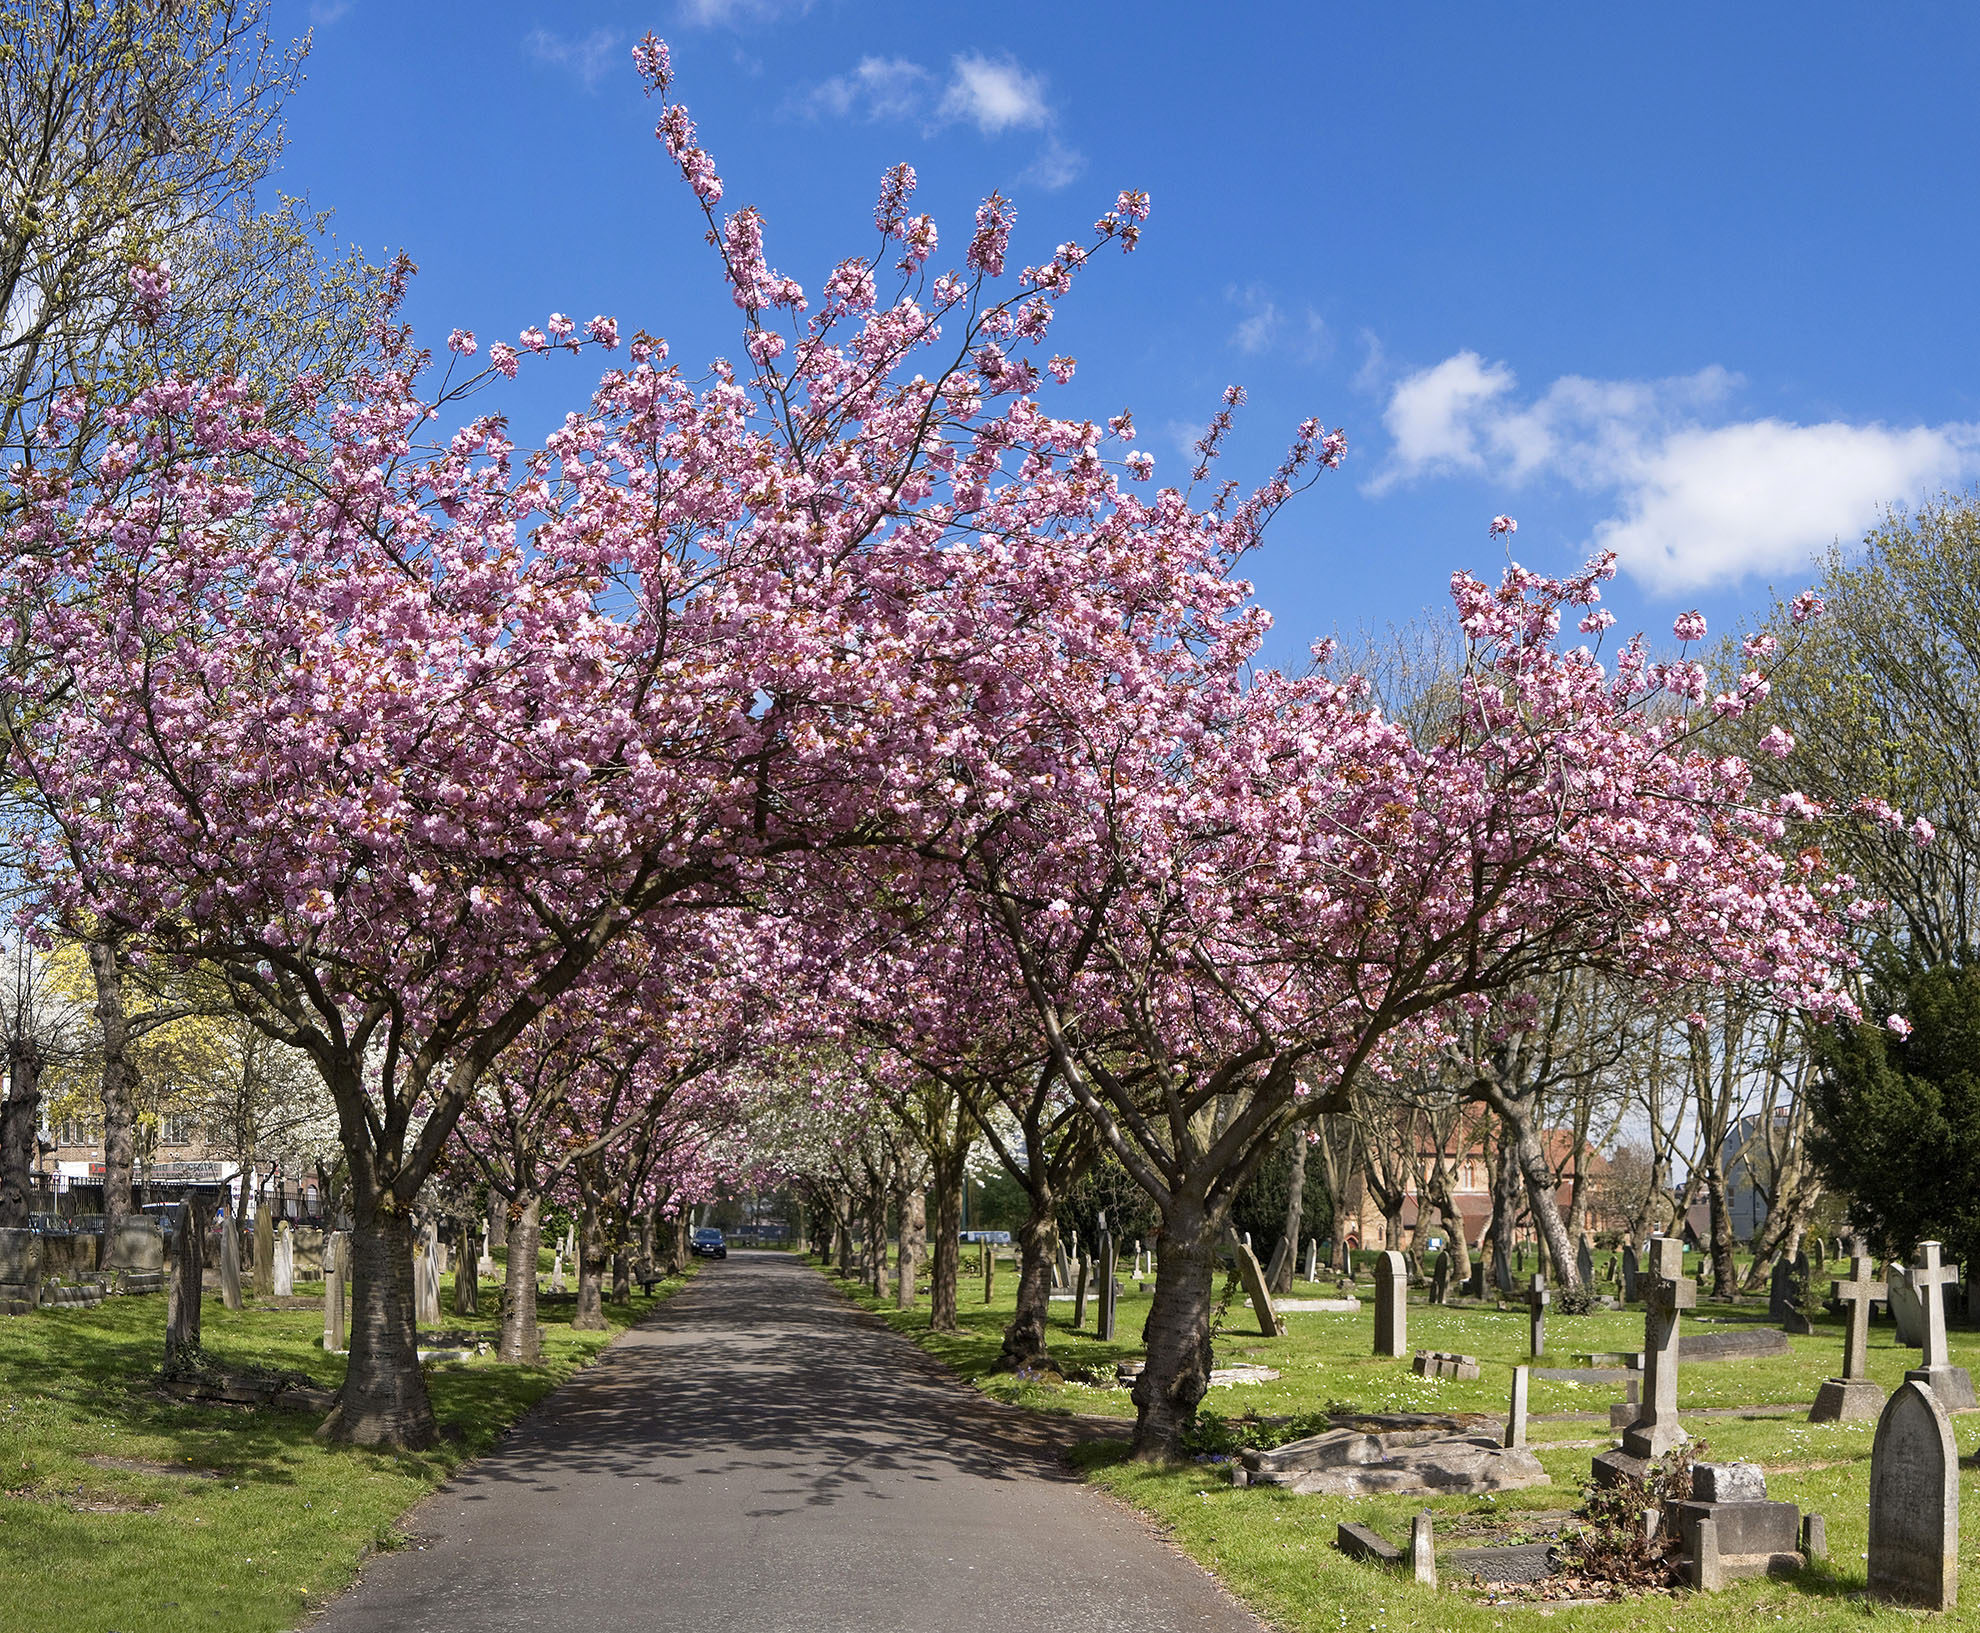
<point>179,1129</point>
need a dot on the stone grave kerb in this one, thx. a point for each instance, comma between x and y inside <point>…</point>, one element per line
<point>1667,1293</point>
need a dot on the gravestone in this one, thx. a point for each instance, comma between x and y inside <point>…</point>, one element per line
<point>1516,1417</point>
<point>1347,1259</point>
<point>1423,1550</point>
<point>1107,1265</point>
<point>20,1270</point>
<point>1062,1278</point>
<point>1437,1363</point>
<point>1780,1290</point>
<point>1852,1395</point>
<point>1729,1528</point>
<point>1474,1286</point>
<point>1609,1272</point>
<point>1953,1385</point>
<point>1391,1304</point>
<point>1501,1272</point>
<point>989,1271</point>
<point>1537,1300</point>
<point>557,1271</point>
<point>264,1250</point>
<point>1914,1501</point>
<point>1312,1258</point>
<point>1584,1265</point>
<point>1080,1278</point>
<point>484,1264</point>
<point>284,1268</point>
<point>1255,1289</point>
<point>134,1252</point>
<point>230,1263</point>
<point>333,1292</point>
<point>1907,1311</point>
<point>1630,1273</point>
<point>426,1287</point>
<point>1667,1293</point>
<point>182,1294</point>
<point>1440,1278</point>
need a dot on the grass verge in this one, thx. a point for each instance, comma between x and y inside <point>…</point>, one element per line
<point>1276,1551</point>
<point>120,1509</point>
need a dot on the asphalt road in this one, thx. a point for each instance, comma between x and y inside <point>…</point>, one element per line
<point>761,1456</point>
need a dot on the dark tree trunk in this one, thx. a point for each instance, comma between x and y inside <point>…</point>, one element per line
<point>20,1122</point>
<point>677,1250</point>
<point>1024,1338</point>
<point>621,1277</point>
<point>1724,1272</point>
<point>182,1291</point>
<point>1177,1334</point>
<point>522,1341</point>
<point>117,1085</point>
<point>1541,1186</point>
<point>1287,1257</point>
<point>945,1265</point>
<point>384,1400</point>
<point>914,1240</point>
<point>590,1313</point>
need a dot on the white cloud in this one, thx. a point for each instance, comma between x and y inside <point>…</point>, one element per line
<point>322,13</point>
<point>879,88</point>
<point>1713,505</point>
<point>588,60</point>
<point>995,95</point>
<point>1697,502</point>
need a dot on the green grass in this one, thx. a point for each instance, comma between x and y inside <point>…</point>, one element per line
<point>265,1522</point>
<point>1276,1550</point>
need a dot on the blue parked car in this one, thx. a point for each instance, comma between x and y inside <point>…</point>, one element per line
<point>708,1244</point>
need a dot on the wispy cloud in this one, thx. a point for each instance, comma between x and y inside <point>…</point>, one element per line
<point>996,95</point>
<point>879,88</point>
<point>587,60</point>
<point>1268,329</point>
<point>1699,497</point>
<point>322,13</point>
<point>736,13</point>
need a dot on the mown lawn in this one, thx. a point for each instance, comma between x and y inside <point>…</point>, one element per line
<point>1276,1551</point>
<point>120,1510</point>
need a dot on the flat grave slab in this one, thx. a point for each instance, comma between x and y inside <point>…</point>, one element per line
<point>1749,1344</point>
<point>1303,1306</point>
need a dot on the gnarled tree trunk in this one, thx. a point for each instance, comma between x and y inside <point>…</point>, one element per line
<point>1024,1338</point>
<point>1177,1374</point>
<point>945,1263</point>
<point>914,1241</point>
<point>20,1121</point>
<point>384,1400</point>
<point>590,1313</point>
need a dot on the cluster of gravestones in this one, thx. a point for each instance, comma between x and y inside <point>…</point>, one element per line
<point>128,1257</point>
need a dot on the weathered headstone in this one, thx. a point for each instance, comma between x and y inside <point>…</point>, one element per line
<point>135,1244</point>
<point>1347,1259</point>
<point>484,1264</point>
<point>284,1268</point>
<point>1537,1300</point>
<point>1080,1279</point>
<point>1437,1363</point>
<point>426,1286</point>
<point>1780,1290</point>
<point>1516,1417</point>
<point>1107,1294</point>
<point>1630,1272</point>
<point>1391,1304</point>
<point>333,1292</point>
<point>182,1294</point>
<point>989,1271</point>
<point>1255,1289</point>
<point>1440,1277</point>
<point>20,1270</point>
<point>1667,1292</point>
<point>230,1263</point>
<point>557,1271</point>
<point>1312,1258</point>
<point>1501,1271</point>
<point>1907,1310</point>
<point>1584,1264</point>
<point>1423,1550</point>
<point>1914,1501</point>
<point>1953,1385</point>
<point>264,1250</point>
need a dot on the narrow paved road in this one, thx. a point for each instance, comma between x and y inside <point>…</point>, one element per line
<point>761,1456</point>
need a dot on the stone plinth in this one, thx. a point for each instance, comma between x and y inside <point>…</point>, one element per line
<point>1430,1363</point>
<point>1846,1400</point>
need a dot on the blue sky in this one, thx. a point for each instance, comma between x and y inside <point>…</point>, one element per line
<point>1694,281</point>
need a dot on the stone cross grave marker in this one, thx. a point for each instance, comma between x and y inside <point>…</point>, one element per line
<point>1667,1292</point>
<point>1914,1501</point>
<point>1516,1417</point>
<point>1537,1300</point>
<point>333,1293</point>
<point>230,1263</point>
<point>1630,1272</point>
<point>285,1261</point>
<point>484,1264</point>
<point>1584,1264</point>
<point>1105,1331</point>
<point>1853,1395</point>
<point>1953,1385</point>
<point>1391,1305</point>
